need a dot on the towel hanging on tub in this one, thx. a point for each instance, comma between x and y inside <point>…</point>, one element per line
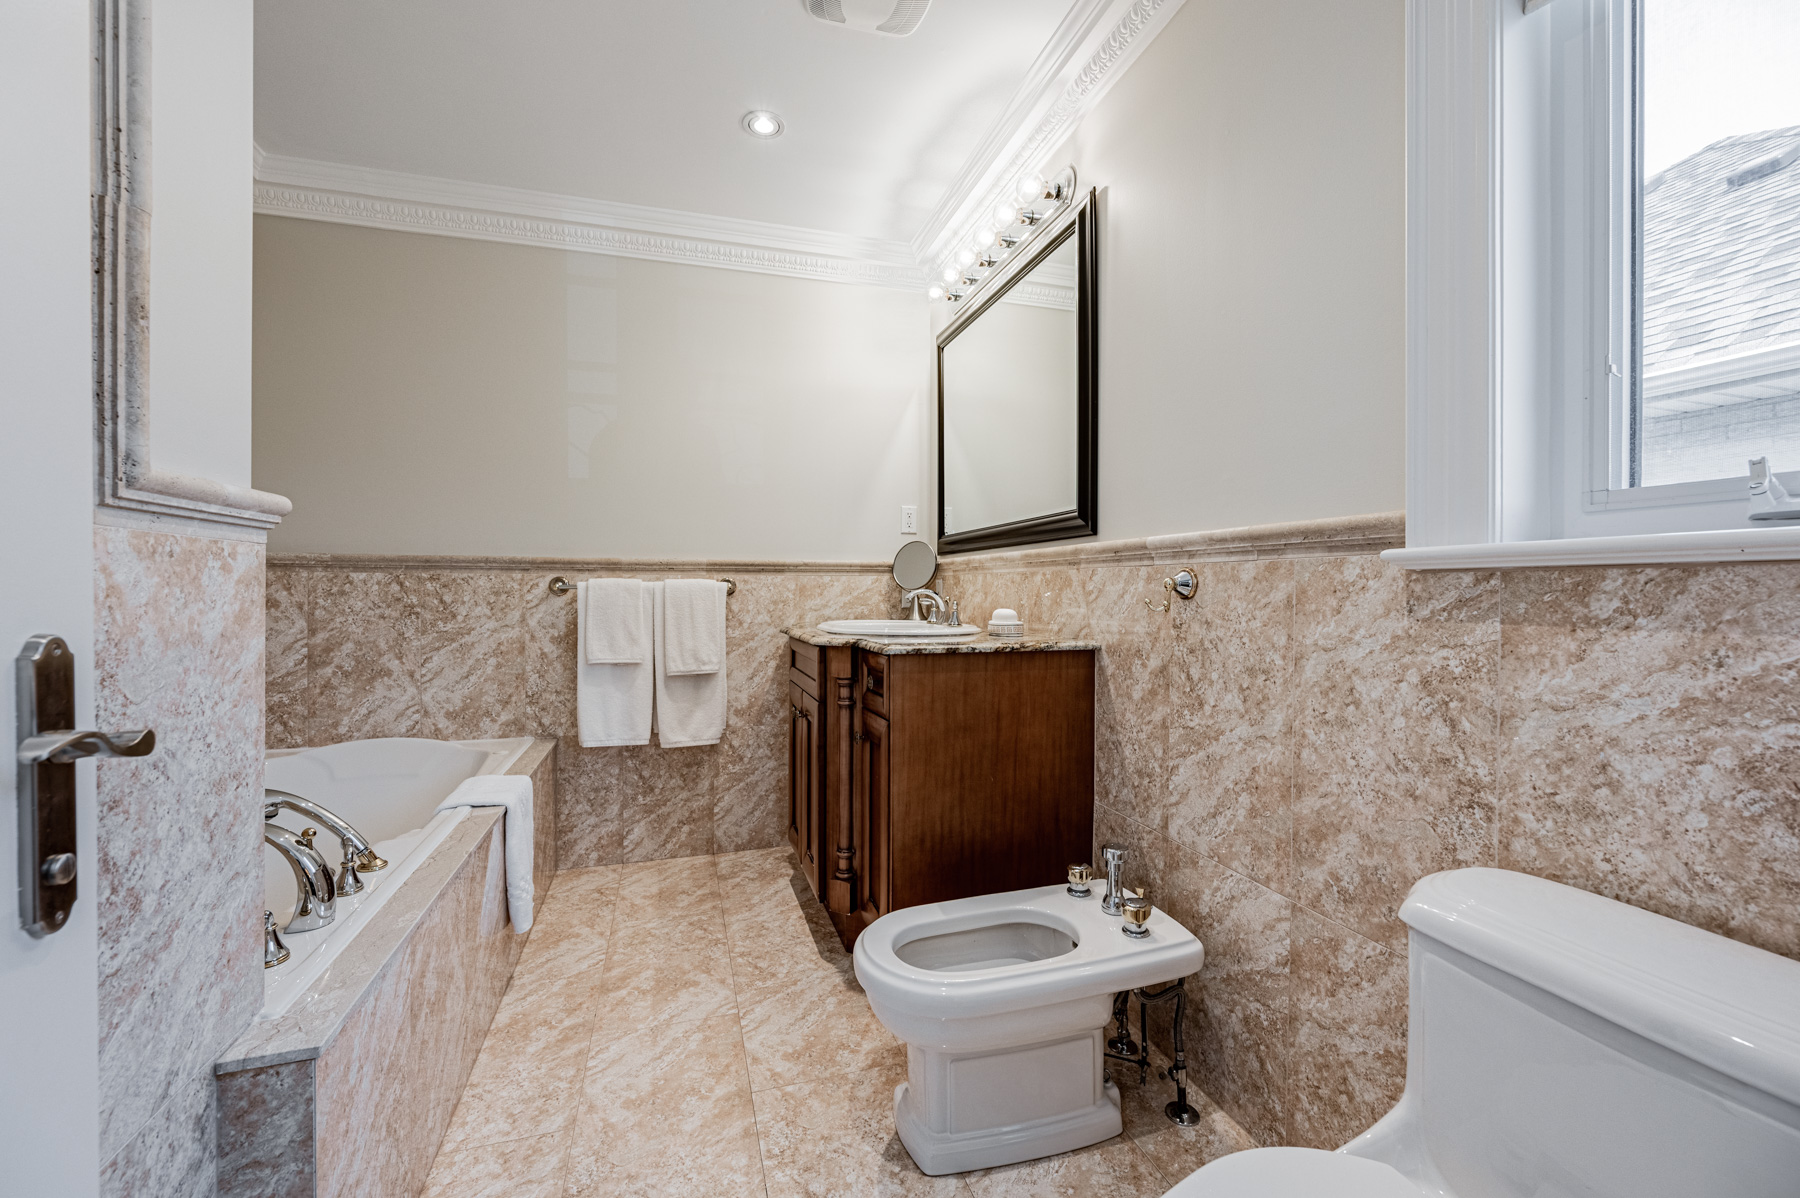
<point>513,792</point>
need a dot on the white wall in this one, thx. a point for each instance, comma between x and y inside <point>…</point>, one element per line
<point>1252,256</point>
<point>201,67</point>
<point>422,394</point>
<point>49,1048</point>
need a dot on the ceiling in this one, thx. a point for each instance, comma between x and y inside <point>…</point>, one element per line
<point>639,103</point>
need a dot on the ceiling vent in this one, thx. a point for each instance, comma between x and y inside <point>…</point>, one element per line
<point>896,18</point>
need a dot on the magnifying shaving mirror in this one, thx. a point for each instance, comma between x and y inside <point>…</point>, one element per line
<point>914,565</point>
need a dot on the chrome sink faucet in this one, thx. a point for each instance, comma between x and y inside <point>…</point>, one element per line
<point>926,596</point>
<point>312,878</point>
<point>1114,902</point>
<point>359,855</point>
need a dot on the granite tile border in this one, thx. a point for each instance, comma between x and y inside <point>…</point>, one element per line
<point>436,563</point>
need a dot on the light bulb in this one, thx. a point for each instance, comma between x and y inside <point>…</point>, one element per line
<point>762,124</point>
<point>951,274</point>
<point>935,292</point>
<point>1005,215</point>
<point>966,257</point>
<point>1031,187</point>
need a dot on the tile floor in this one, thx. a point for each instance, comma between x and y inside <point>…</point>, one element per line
<point>693,1027</point>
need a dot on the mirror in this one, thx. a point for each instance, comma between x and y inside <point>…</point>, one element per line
<point>1016,402</point>
<point>914,565</point>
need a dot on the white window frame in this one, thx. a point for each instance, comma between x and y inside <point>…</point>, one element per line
<point>1521,147</point>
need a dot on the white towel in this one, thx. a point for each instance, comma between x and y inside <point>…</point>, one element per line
<point>693,626</point>
<point>612,703</point>
<point>690,708</point>
<point>618,622</point>
<point>513,792</point>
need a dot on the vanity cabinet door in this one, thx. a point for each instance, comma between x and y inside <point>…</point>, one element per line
<point>806,781</point>
<point>871,807</point>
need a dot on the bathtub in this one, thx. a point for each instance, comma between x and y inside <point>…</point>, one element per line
<point>387,790</point>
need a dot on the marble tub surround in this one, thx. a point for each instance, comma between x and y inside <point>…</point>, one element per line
<point>351,1090</point>
<point>692,1026</point>
<point>179,646</point>
<point>1287,752</point>
<point>459,647</point>
<point>1032,642</point>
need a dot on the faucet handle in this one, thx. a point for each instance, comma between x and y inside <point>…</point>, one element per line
<point>1079,876</point>
<point>274,951</point>
<point>1113,854</point>
<point>306,837</point>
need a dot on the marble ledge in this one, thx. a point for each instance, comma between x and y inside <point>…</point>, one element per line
<point>389,563</point>
<point>1338,536</point>
<point>305,1033</point>
<point>919,646</point>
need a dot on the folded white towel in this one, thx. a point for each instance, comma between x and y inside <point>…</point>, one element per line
<point>613,702</point>
<point>690,708</point>
<point>513,792</point>
<point>693,626</point>
<point>618,622</point>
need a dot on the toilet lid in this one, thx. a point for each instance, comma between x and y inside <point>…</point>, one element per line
<point>1294,1173</point>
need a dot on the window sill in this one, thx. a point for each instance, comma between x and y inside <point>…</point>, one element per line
<point>1725,545</point>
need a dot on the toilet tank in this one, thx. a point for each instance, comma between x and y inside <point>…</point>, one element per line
<point>1561,1044</point>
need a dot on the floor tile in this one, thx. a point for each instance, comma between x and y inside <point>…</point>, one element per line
<point>529,1168</point>
<point>693,1027</point>
<point>836,1137</point>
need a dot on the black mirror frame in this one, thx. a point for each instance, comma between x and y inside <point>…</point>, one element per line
<point>1083,520</point>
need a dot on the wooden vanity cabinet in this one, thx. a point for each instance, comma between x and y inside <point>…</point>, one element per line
<point>918,778</point>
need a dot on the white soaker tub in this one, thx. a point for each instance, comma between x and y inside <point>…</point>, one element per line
<point>386,789</point>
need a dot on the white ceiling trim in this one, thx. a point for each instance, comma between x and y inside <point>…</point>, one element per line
<point>330,191</point>
<point>1092,48</point>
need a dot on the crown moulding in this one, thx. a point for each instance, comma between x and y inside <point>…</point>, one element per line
<point>1094,45</point>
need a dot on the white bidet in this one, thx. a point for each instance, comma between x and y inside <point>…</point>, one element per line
<point>1002,1000</point>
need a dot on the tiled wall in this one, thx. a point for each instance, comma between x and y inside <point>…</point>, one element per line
<point>454,648</point>
<point>1286,753</point>
<point>179,649</point>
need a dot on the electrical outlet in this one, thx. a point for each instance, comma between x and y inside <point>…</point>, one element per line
<point>909,518</point>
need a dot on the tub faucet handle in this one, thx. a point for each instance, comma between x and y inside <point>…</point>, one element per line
<point>274,951</point>
<point>1114,902</point>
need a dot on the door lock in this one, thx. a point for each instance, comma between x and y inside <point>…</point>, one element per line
<point>49,747</point>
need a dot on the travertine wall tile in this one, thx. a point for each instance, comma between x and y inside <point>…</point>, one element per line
<point>1331,729</point>
<point>1230,742</point>
<point>179,648</point>
<point>1346,1051</point>
<point>479,652</point>
<point>1652,749</point>
<point>1396,734</point>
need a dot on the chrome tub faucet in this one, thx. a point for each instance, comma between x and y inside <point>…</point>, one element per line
<point>317,904</point>
<point>360,856</point>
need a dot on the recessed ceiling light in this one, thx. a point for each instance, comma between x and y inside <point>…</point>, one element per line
<point>762,124</point>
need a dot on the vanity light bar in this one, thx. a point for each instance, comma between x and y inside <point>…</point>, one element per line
<point>988,249</point>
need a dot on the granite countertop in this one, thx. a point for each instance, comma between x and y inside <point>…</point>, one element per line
<point>1031,642</point>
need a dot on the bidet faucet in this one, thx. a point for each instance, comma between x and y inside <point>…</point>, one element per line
<point>1114,902</point>
<point>359,855</point>
<point>317,905</point>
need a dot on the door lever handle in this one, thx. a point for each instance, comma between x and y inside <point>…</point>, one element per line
<point>65,746</point>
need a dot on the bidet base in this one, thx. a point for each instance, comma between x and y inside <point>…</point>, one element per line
<point>938,1153</point>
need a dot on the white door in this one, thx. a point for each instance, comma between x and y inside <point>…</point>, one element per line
<point>49,1023</point>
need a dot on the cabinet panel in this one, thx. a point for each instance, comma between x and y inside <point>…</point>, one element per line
<point>806,782</point>
<point>872,807</point>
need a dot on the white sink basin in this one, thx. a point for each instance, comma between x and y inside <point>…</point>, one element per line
<point>888,629</point>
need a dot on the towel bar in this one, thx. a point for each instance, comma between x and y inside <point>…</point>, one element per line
<point>562,586</point>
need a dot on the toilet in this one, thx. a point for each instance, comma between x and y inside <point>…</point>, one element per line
<point>1560,1044</point>
<point>1001,1001</point>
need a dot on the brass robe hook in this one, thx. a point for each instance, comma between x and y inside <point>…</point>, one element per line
<point>1185,583</point>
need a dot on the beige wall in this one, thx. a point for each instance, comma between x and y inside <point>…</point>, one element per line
<point>1252,252</point>
<point>421,394</point>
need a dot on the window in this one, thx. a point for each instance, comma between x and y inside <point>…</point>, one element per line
<point>1603,277</point>
<point>1718,329</point>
